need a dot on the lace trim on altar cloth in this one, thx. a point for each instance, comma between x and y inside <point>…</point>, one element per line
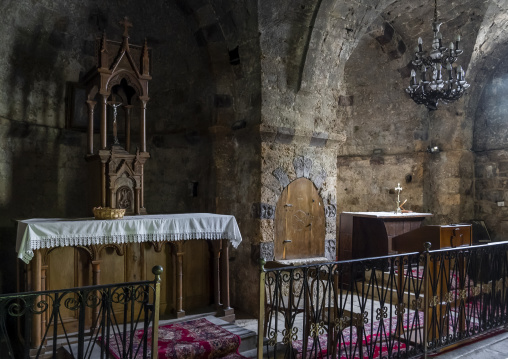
<point>51,242</point>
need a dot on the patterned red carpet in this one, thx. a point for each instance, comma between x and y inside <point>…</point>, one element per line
<point>377,341</point>
<point>195,339</point>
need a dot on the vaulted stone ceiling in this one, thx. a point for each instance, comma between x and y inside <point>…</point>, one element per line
<point>314,39</point>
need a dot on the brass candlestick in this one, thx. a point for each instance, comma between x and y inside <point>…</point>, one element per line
<point>398,189</point>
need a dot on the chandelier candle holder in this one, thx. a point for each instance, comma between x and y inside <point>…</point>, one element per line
<point>428,85</point>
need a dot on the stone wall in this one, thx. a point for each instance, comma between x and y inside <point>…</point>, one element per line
<point>48,45</point>
<point>205,78</point>
<point>388,136</point>
<point>491,169</point>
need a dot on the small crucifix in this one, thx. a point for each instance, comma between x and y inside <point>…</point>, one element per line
<point>115,105</point>
<point>398,189</point>
<point>126,24</point>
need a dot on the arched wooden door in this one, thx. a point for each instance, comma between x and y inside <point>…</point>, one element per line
<point>299,222</point>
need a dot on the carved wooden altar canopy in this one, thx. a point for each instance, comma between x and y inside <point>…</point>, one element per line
<point>119,81</point>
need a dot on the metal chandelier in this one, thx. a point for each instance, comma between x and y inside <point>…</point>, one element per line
<point>429,87</point>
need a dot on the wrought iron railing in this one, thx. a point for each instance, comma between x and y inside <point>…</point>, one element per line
<point>399,306</point>
<point>90,322</point>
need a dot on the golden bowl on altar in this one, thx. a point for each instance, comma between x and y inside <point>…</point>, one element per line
<point>108,213</point>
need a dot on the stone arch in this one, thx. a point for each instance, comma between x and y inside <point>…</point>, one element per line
<point>304,170</point>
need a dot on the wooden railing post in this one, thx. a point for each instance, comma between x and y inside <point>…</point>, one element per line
<point>224,279</point>
<point>96,280</point>
<point>157,271</point>
<point>216,252</point>
<point>262,275</point>
<point>180,313</point>
<point>36,264</point>
<point>426,299</point>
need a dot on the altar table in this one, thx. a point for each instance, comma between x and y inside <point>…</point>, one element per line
<point>55,232</point>
<point>34,235</point>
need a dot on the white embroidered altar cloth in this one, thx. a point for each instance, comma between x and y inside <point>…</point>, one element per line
<point>39,233</point>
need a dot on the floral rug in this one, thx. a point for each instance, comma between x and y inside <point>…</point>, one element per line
<point>194,339</point>
<point>377,342</point>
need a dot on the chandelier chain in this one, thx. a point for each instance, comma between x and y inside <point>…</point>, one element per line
<point>435,10</point>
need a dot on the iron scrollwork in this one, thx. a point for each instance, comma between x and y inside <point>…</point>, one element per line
<point>289,335</point>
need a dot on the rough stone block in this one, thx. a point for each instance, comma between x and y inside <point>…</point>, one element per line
<point>271,189</point>
<point>318,139</point>
<point>285,135</point>
<point>318,178</point>
<point>503,229</point>
<point>421,135</point>
<point>266,227</point>
<point>281,176</point>
<point>266,251</point>
<point>377,160</point>
<point>503,166</point>
<point>330,249</point>
<point>346,100</point>
<point>263,211</point>
<point>307,167</point>
<point>298,166</point>
<point>302,166</point>
<point>387,34</point>
<point>331,210</point>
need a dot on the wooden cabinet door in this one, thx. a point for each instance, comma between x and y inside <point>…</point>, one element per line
<point>300,222</point>
<point>455,236</point>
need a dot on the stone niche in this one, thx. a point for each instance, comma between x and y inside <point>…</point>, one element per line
<point>298,225</point>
